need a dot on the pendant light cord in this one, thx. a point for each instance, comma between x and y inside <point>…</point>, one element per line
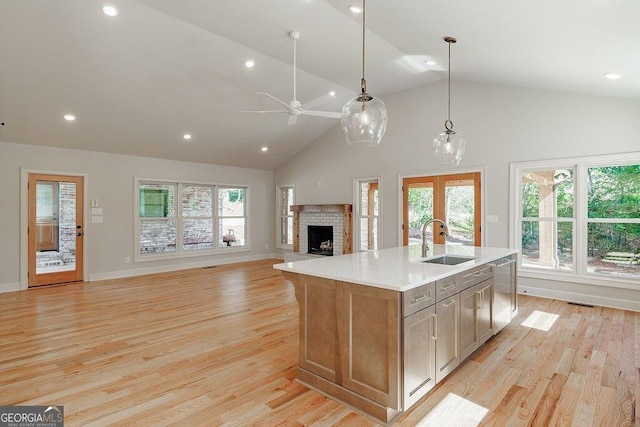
<point>363,83</point>
<point>449,88</point>
<point>448,125</point>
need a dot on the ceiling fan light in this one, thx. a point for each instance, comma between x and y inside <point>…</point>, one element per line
<point>364,120</point>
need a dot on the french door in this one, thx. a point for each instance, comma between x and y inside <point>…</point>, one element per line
<point>56,229</point>
<point>453,198</point>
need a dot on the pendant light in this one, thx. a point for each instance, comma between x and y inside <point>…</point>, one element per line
<point>448,147</point>
<point>364,118</point>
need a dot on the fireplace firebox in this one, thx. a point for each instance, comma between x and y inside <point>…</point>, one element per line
<point>320,240</point>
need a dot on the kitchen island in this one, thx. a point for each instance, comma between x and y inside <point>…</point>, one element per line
<point>379,329</point>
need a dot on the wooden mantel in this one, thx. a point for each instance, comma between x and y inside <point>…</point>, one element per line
<point>346,222</point>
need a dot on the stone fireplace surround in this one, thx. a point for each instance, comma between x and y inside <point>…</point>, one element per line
<point>337,216</point>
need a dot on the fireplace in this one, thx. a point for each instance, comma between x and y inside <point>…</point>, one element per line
<point>320,240</point>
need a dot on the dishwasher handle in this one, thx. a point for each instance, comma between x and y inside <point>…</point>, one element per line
<point>496,265</point>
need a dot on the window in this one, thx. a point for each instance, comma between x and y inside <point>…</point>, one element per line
<point>579,219</point>
<point>182,218</point>
<point>285,223</point>
<point>548,218</point>
<point>367,212</point>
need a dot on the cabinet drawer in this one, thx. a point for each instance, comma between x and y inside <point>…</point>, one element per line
<point>476,275</point>
<point>447,287</point>
<point>418,298</point>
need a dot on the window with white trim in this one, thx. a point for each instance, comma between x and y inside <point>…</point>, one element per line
<point>285,216</point>
<point>180,219</point>
<point>579,218</point>
<point>367,210</point>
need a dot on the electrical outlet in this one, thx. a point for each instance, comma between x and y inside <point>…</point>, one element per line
<point>266,246</point>
<point>127,260</point>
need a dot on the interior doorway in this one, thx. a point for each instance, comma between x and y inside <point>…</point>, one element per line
<point>56,229</point>
<point>455,198</point>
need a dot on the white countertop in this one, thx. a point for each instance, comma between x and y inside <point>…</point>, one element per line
<point>398,269</point>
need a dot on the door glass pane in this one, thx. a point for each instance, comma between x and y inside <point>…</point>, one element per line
<point>614,249</point>
<point>460,211</point>
<point>55,226</point>
<point>420,207</point>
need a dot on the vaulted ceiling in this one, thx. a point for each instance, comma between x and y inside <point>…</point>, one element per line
<point>139,81</point>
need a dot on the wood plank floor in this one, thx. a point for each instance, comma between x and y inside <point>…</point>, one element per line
<point>219,346</point>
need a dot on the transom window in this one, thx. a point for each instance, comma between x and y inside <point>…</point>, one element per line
<point>184,218</point>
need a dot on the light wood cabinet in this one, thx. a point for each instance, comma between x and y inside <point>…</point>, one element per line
<point>447,338</point>
<point>370,342</point>
<point>419,355</point>
<point>317,298</point>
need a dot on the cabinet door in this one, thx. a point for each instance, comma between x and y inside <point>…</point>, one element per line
<point>447,339</point>
<point>485,311</point>
<point>370,342</point>
<point>469,338</point>
<point>419,355</point>
<point>318,326</point>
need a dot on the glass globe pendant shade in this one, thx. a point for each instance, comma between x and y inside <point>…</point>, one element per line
<point>448,148</point>
<point>364,120</point>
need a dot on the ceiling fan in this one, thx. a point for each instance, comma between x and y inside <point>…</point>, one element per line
<point>295,108</point>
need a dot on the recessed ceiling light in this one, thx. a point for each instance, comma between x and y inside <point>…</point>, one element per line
<point>69,117</point>
<point>250,63</point>
<point>263,149</point>
<point>612,76</point>
<point>332,93</point>
<point>355,9</point>
<point>187,136</point>
<point>110,10</point>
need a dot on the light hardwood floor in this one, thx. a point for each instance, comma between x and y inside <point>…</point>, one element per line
<point>219,346</point>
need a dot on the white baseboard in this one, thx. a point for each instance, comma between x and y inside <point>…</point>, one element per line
<point>175,267</point>
<point>9,287</point>
<point>581,298</point>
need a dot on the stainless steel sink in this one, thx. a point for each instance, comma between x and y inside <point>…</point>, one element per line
<point>448,260</point>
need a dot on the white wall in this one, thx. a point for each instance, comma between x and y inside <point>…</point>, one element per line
<point>499,124</point>
<point>110,180</point>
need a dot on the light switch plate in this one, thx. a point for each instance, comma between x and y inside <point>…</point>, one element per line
<point>96,219</point>
<point>96,211</point>
<point>492,218</point>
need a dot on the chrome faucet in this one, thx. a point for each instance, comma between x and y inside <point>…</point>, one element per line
<point>425,247</point>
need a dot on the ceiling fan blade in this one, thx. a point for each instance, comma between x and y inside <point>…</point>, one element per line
<point>318,101</point>
<point>293,119</point>
<point>274,98</point>
<point>268,111</point>
<point>330,114</point>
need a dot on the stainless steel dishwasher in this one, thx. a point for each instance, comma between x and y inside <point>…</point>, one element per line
<point>505,290</point>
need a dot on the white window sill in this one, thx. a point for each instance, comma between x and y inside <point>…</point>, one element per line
<point>588,279</point>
